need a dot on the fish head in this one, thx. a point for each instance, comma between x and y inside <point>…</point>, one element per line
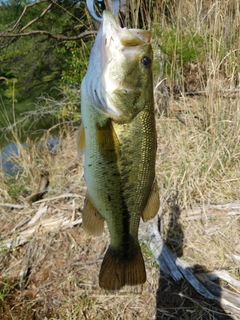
<point>126,69</point>
<point>119,76</point>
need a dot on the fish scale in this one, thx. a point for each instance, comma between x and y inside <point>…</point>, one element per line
<point>118,139</point>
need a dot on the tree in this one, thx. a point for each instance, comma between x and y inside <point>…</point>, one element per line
<point>41,45</point>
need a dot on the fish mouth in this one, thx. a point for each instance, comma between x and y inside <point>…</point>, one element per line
<point>127,37</point>
<point>118,44</point>
<point>109,78</point>
<point>117,40</point>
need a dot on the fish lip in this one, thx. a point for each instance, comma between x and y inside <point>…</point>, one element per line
<point>127,37</point>
<point>109,18</point>
<point>110,35</point>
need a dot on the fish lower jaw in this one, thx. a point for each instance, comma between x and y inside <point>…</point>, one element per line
<point>114,113</point>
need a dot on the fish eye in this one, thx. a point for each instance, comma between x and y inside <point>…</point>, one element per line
<point>146,61</point>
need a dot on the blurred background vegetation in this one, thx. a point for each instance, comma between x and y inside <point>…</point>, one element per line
<point>45,46</point>
<point>35,67</point>
<point>44,52</point>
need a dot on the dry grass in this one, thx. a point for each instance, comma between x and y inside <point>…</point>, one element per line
<point>198,154</point>
<point>55,274</point>
<point>62,281</point>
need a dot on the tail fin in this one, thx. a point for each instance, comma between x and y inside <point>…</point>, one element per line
<point>117,271</point>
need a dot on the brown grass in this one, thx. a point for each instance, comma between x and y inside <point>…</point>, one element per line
<point>55,275</point>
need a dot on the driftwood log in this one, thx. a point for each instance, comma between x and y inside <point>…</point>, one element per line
<point>178,269</point>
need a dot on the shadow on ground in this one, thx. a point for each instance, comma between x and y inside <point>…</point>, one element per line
<point>179,300</point>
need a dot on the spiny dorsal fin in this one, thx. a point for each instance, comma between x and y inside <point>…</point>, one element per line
<point>93,222</point>
<point>80,140</point>
<point>153,203</point>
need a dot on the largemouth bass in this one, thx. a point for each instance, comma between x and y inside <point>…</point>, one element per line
<point>118,139</point>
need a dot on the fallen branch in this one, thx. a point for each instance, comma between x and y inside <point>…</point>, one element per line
<point>227,299</point>
<point>172,266</point>
<point>46,225</point>
<point>13,206</point>
<point>205,92</point>
<point>62,196</point>
<point>23,206</point>
<point>211,211</point>
<point>178,269</point>
<point>37,215</point>
<point>223,275</point>
<point>42,190</point>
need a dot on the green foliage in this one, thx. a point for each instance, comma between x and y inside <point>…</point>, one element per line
<point>77,56</point>
<point>37,62</point>
<point>179,48</point>
<point>37,65</point>
<point>5,291</point>
<point>15,189</point>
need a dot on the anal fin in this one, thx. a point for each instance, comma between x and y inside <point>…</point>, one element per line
<point>153,203</point>
<point>93,222</point>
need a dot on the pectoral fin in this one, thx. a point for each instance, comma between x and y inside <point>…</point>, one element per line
<point>93,222</point>
<point>153,203</point>
<point>80,141</point>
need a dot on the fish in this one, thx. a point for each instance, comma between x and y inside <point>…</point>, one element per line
<point>119,141</point>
